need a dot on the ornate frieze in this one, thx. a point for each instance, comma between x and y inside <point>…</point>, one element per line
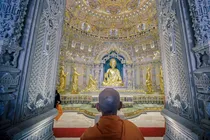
<point>175,131</point>
<point>202,81</point>
<point>40,89</point>
<point>201,21</point>
<point>12,14</point>
<point>201,24</point>
<point>177,87</point>
<point>202,56</point>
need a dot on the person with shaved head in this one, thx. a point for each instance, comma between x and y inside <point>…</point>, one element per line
<point>110,126</point>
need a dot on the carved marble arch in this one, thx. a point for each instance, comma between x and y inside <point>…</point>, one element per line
<point>113,48</point>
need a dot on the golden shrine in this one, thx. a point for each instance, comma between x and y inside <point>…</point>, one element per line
<point>111,44</point>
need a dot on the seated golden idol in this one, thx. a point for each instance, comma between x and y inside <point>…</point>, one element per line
<point>112,76</point>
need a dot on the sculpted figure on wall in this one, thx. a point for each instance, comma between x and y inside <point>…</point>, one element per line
<point>74,84</point>
<point>62,76</point>
<point>161,80</point>
<point>112,76</point>
<point>149,81</point>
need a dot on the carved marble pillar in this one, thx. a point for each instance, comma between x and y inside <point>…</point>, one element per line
<point>141,77</point>
<point>130,77</point>
<point>30,39</point>
<point>125,75</point>
<point>153,76</point>
<point>177,41</point>
<point>157,71</point>
<point>134,76</point>
<point>137,76</point>
<point>10,54</point>
<point>199,11</point>
<point>144,71</point>
<point>85,76</point>
<point>88,72</point>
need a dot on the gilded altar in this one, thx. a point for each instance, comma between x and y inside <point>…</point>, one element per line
<point>135,102</point>
<point>113,67</point>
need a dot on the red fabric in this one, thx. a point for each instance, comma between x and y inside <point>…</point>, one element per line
<point>77,132</point>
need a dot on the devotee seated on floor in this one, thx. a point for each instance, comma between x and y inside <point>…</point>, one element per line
<point>110,126</point>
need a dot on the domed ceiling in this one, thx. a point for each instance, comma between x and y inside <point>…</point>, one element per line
<point>91,26</point>
<point>115,7</point>
<point>104,17</point>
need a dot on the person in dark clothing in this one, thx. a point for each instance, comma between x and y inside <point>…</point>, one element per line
<point>57,105</point>
<point>57,99</point>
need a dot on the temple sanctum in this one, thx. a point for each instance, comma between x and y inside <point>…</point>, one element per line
<point>155,53</point>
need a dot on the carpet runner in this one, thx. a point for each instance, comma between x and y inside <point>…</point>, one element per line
<point>77,132</point>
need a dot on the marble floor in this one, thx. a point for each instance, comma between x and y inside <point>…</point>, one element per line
<point>150,138</point>
<point>74,120</point>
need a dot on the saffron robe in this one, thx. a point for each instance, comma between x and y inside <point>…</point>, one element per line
<point>112,128</point>
<point>60,112</point>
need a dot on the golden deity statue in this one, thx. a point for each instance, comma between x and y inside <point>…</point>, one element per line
<point>92,84</point>
<point>112,76</point>
<point>74,84</point>
<point>62,77</point>
<point>149,81</point>
<point>161,80</point>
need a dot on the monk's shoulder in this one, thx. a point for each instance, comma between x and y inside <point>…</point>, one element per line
<point>130,124</point>
<point>132,130</point>
<point>90,133</point>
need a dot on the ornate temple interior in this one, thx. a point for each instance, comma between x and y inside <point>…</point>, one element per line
<point>111,44</point>
<point>155,53</point>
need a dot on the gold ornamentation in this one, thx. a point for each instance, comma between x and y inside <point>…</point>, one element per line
<point>161,80</point>
<point>62,76</point>
<point>149,81</point>
<point>92,84</point>
<point>112,76</point>
<point>113,6</point>
<point>74,85</point>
